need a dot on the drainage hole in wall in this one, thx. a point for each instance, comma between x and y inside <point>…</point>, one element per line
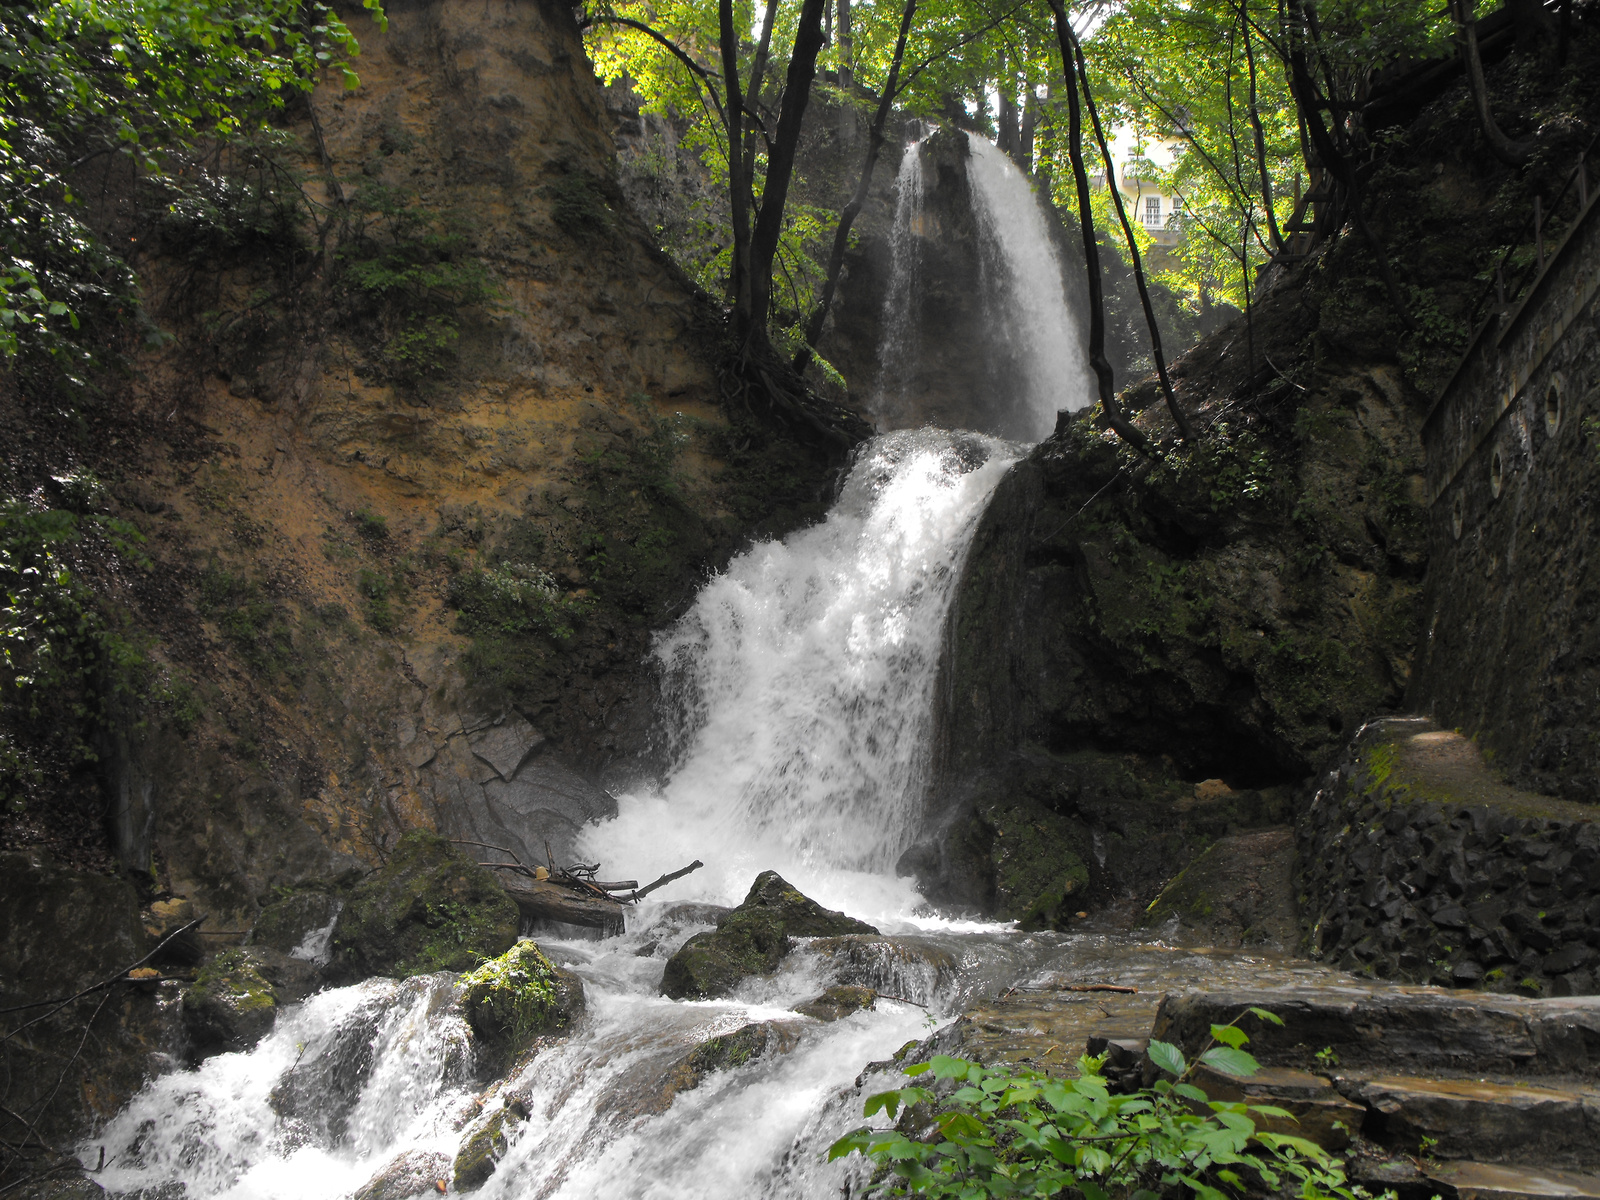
<point>1552,408</point>
<point>1497,474</point>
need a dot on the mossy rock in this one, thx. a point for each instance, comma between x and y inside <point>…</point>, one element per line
<point>414,1173</point>
<point>838,1002</point>
<point>751,940</point>
<point>480,1154</point>
<point>513,999</point>
<point>429,908</point>
<point>725,1052</point>
<point>230,1005</point>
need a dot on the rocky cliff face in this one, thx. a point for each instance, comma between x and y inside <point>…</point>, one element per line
<point>420,467</point>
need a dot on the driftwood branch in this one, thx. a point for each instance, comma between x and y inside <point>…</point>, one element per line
<point>662,882</point>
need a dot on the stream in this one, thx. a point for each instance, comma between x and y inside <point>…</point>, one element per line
<point>798,695</point>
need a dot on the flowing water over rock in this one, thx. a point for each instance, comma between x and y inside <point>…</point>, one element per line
<point>1029,317</point>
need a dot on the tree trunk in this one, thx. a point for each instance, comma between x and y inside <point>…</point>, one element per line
<point>780,165</point>
<point>1260,137</point>
<point>738,181</point>
<point>1030,122</point>
<point>1513,154</point>
<point>1178,419</point>
<point>841,235</point>
<point>847,76</point>
<point>1009,137</point>
<point>1091,249</point>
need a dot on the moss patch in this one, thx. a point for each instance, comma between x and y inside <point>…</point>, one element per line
<point>512,999</point>
<point>430,908</point>
<point>230,1005</point>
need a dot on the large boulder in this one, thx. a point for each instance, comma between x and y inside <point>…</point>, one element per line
<point>429,908</point>
<point>1238,892</point>
<point>513,999</point>
<point>751,940</point>
<point>61,931</point>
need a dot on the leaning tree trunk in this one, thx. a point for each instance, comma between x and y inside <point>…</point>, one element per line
<point>768,227</point>
<point>1091,249</point>
<point>841,235</point>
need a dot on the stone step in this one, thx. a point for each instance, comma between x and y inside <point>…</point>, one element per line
<point>1483,1121</point>
<point>1399,1029</point>
<point>1487,1181</point>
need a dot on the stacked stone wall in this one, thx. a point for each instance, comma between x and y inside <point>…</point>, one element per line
<point>1416,866</point>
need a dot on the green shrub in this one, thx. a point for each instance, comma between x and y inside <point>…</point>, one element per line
<point>514,600</point>
<point>409,272</point>
<point>1020,1133</point>
<point>65,653</point>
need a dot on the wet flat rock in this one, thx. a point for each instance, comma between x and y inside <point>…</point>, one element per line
<point>1419,1029</point>
<point>1485,1181</point>
<point>1045,1029</point>
<point>1482,1120</point>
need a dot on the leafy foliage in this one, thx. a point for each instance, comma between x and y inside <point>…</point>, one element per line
<point>1018,1133</point>
<point>63,654</point>
<point>83,79</point>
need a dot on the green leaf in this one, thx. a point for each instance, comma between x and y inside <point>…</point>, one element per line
<point>1266,1015</point>
<point>1229,1035</point>
<point>1230,1061</point>
<point>1168,1057</point>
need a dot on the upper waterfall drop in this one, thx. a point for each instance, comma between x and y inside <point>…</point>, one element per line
<point>1029,314</point>
<point>900,347</point>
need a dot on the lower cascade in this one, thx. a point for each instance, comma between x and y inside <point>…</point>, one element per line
<point>801,691</point>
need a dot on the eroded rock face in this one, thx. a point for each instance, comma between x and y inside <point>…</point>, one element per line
<point>751,940</point>
<point>430,908</point>
<point>655,1089</point>
<point>1229,614</point>
<point>838,1002</point>
<point>411,1175</point>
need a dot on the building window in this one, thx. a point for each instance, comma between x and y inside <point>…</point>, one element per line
<point>1177,210</point>
<point>1152,211</point>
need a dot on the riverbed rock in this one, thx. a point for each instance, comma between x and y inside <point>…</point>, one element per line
<point>513,999</point>
<point>751,940</point>
<point>229,1006</point>
<point>1417,863</point>
<point>429,908</point>
<point>655,1092</point>
<point>1416,1030</point>
<point>413,1174</point>
<point>1238,892</point>
<point>483,1149</point>
<point>838,1002</point>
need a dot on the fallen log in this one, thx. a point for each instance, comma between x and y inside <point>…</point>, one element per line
<point>545,900</point>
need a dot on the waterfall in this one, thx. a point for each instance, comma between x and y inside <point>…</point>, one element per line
<point>801,686</point>
<point>898,349</point>
<point>799,692</point>
<point>1031,323</point>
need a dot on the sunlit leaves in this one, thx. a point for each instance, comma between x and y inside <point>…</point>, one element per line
<point>80,79</point>
<point>1018,1133</point>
